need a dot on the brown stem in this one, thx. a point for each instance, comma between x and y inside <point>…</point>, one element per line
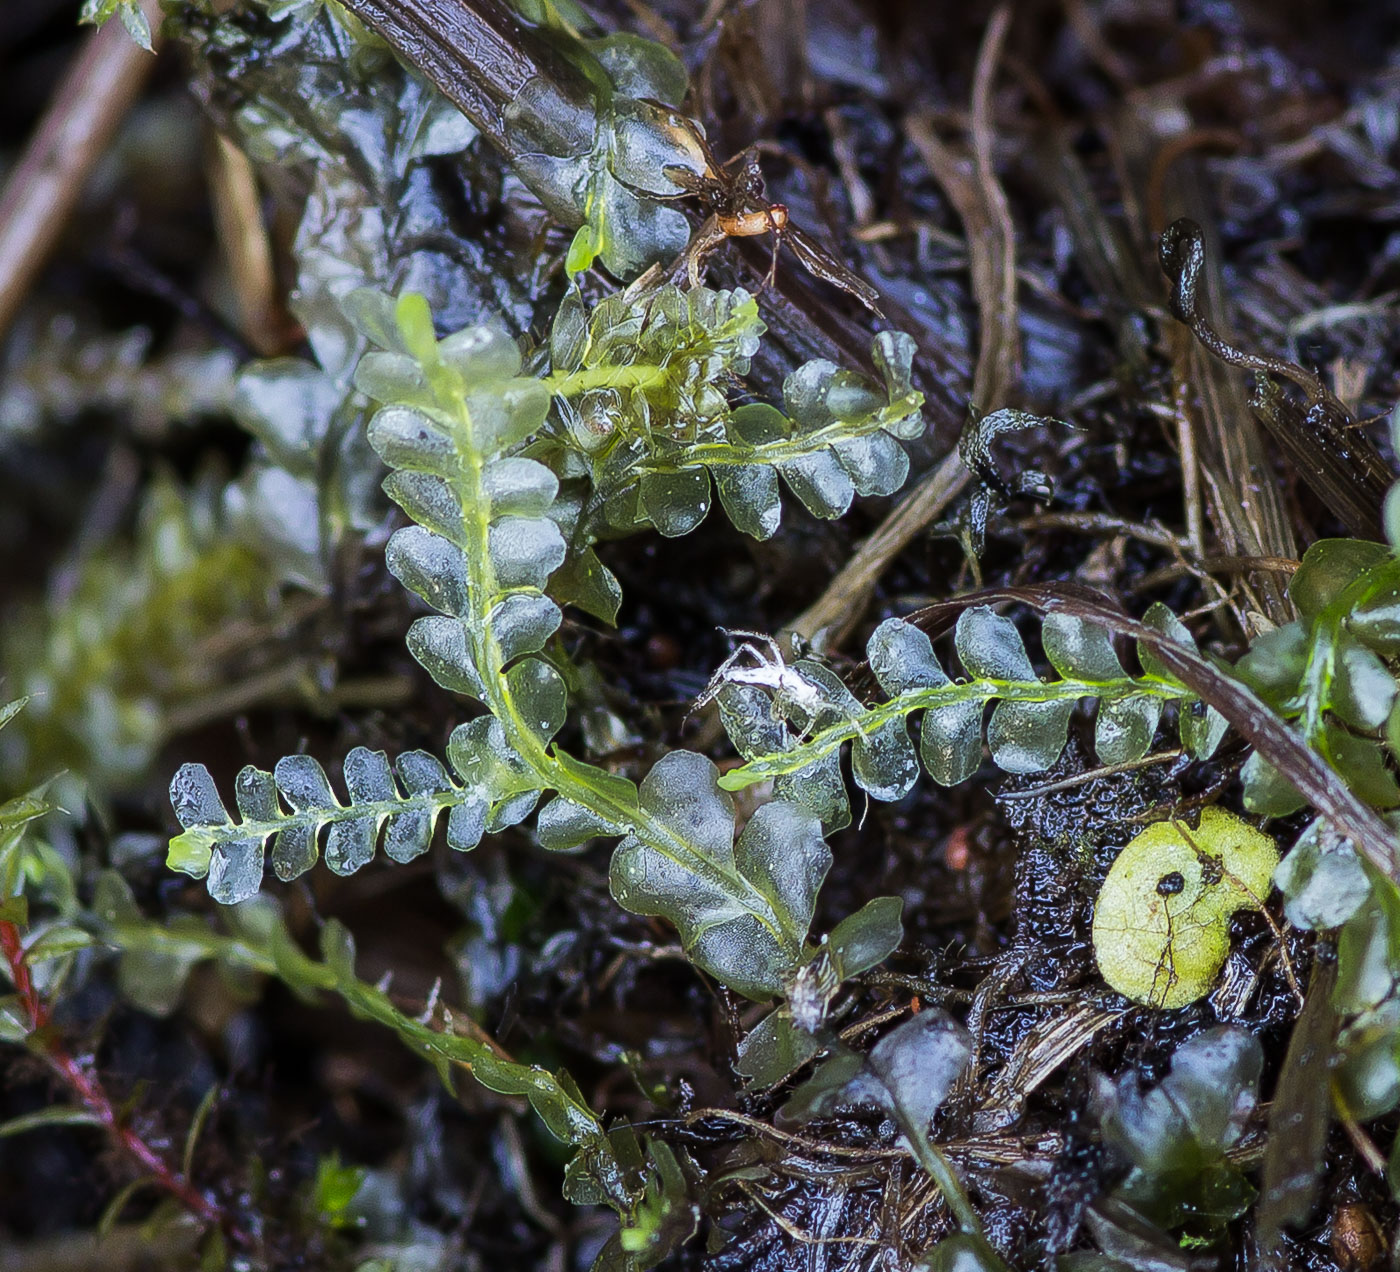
<point>74,134</point>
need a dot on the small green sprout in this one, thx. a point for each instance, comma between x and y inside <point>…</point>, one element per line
<point>1161,922</point>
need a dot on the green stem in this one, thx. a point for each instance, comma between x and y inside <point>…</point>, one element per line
<point>552,773</point>
<point>568,384</point>
<point>824,742</point>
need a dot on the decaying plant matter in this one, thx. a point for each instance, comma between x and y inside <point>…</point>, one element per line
<point>1058,925</point>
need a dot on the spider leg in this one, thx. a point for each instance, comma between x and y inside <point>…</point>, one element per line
<point>705,240</point>
<point>752,640</point>
<point>722,675</point>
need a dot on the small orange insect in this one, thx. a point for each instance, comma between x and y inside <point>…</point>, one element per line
<point>738,208</point>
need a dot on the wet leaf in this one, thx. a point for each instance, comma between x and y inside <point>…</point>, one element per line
<point>773,1050</point>
<point>868,937</point>
<point>1266,791</point>
<point>901,657</point>
<point>1176,1135</point>
<point>1160,618</point>
<point>1329,567</point>
<point>1276,662</point>
<point>1125,727</point>
<point>820,482</point>
<point>1298,1116</point>
<point>749,495</point>
<point>1322,879</point>
<point>950,742</point>
<point>742,910</point>
<point>1202,728</point>
<point>1364,687</point>
<point>990,647</point>
<point>916,1065</point>
<point>1028,737</point>
<point>883,762</point>
<point>1368,951</point>
<point>676,503</point>
<point>1079,650</point>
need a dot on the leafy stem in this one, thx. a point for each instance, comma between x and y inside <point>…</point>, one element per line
<point>464,434</point>
<point>610,802</point>
<point>1331,670</point>
<point>260,943</point>
<point>825,741</point>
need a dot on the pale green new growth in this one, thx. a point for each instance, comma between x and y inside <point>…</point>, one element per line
<point>640,397</point>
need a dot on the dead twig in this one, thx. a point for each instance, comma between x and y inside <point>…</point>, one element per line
<point>43,188</point>
<point>981,203</point>
<point>263,320</point>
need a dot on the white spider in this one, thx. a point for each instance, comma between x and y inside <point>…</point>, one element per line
<point>792,691</point>
<point>811,991</point>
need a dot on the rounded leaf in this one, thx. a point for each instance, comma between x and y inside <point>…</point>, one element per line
<point>675,503</point>
<point>883,762</point>
<point>990,647</point>
<point>818,480</point>
<point>749,495</point>
<point>1322,879</point>
<point>440,645</point>
<point>1079,650</point>
<point>1328,568</point>
<point>1027,737</point>
<point>950,742</point>
<point>434,568</point>
<point>540,697</point>
<point>525,551</point>
<point>1125,728</point>
<point>1161,922</point>
<point>901,658</point>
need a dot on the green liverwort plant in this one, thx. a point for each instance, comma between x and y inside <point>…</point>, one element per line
<point>455,421</point>
<point>455,418</point>
<point>791,731</point>
<point>1329,672</point>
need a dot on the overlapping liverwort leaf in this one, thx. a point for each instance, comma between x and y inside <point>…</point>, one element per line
<point>1176,1135</point>
<point>742,909</point>
<point>1328,672</point>
<point>1080,650</point>
<point>640,394</point>
<point>399,814</point>
<point>795,742</point>
<point>1024,737</point>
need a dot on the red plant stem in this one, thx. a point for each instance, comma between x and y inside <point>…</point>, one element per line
<point>85,1085</point>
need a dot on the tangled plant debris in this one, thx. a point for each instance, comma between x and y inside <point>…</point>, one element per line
<point>574,890</point>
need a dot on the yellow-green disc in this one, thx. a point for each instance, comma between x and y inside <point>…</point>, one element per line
<point>1162,919</point>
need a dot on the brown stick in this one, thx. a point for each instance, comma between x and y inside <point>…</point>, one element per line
<point>90,103</point>
<point>991,248</point>
<point>263,320</point>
